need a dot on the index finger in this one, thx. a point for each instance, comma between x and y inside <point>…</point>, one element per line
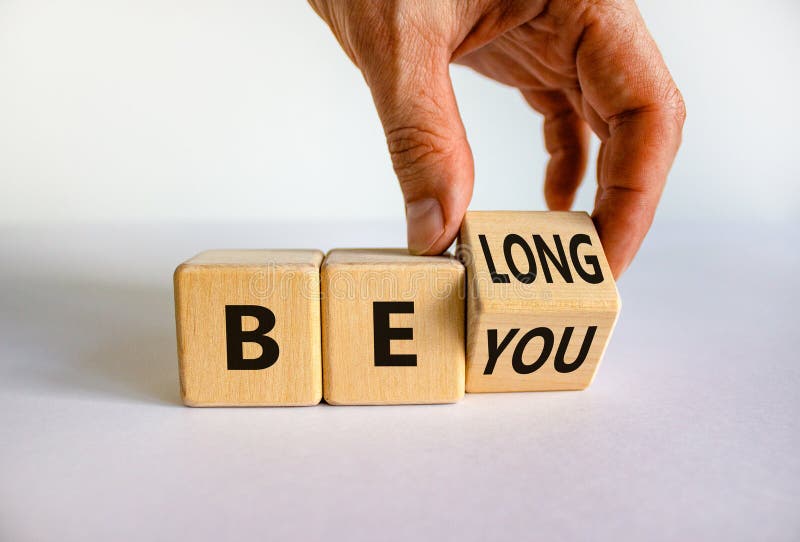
<point>625,81</point>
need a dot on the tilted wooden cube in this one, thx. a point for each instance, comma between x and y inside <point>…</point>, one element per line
<point>542,301</point>
<point>248,325</point>
<point>393,327</point>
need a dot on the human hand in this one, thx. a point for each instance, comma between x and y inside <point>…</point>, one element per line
<point>583,64</point>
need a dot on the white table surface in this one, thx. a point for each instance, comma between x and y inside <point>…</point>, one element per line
<point>690,431</point>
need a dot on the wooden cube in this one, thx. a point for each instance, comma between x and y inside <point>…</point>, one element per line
<point>248,326</point>
<point>542,300</point>
<point>393,328</point>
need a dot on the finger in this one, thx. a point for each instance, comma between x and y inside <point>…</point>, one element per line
<point>627,83</point>
<point>426,139</point>
<point>566,137</point>
<point>636,162</point>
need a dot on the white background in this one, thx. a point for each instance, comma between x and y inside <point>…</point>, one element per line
<point>134,134</point>
<point>248,110</point>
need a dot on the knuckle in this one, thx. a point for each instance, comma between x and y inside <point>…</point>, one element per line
<point>672,109</point>
<point>676,102</point>
<point>414,150</point>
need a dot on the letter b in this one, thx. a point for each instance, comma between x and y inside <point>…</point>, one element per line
<point>235,337</point>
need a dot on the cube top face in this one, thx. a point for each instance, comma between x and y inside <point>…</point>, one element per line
<point>258,258</point>
<point>379,257</point>
<point>526,261</point>
<point>393,328</point>
<point>236,306</point>
<point>542,300</point>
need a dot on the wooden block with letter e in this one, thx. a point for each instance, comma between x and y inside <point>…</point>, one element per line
<point>393,327</point>
<point>248,325</point>
<point>542,301</point>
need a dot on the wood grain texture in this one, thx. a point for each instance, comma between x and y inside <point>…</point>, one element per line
<point>352,281</point>
<point>284,281</point>
<point>551,298</point>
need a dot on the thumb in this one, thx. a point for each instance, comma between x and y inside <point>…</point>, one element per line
<point>428,146</point>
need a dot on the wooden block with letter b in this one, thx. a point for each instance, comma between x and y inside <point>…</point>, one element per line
<point>393,327</point>
<point>542,301</point>
<point>248,325</point>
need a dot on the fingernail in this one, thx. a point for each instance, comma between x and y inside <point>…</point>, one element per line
<point>425,224</point>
